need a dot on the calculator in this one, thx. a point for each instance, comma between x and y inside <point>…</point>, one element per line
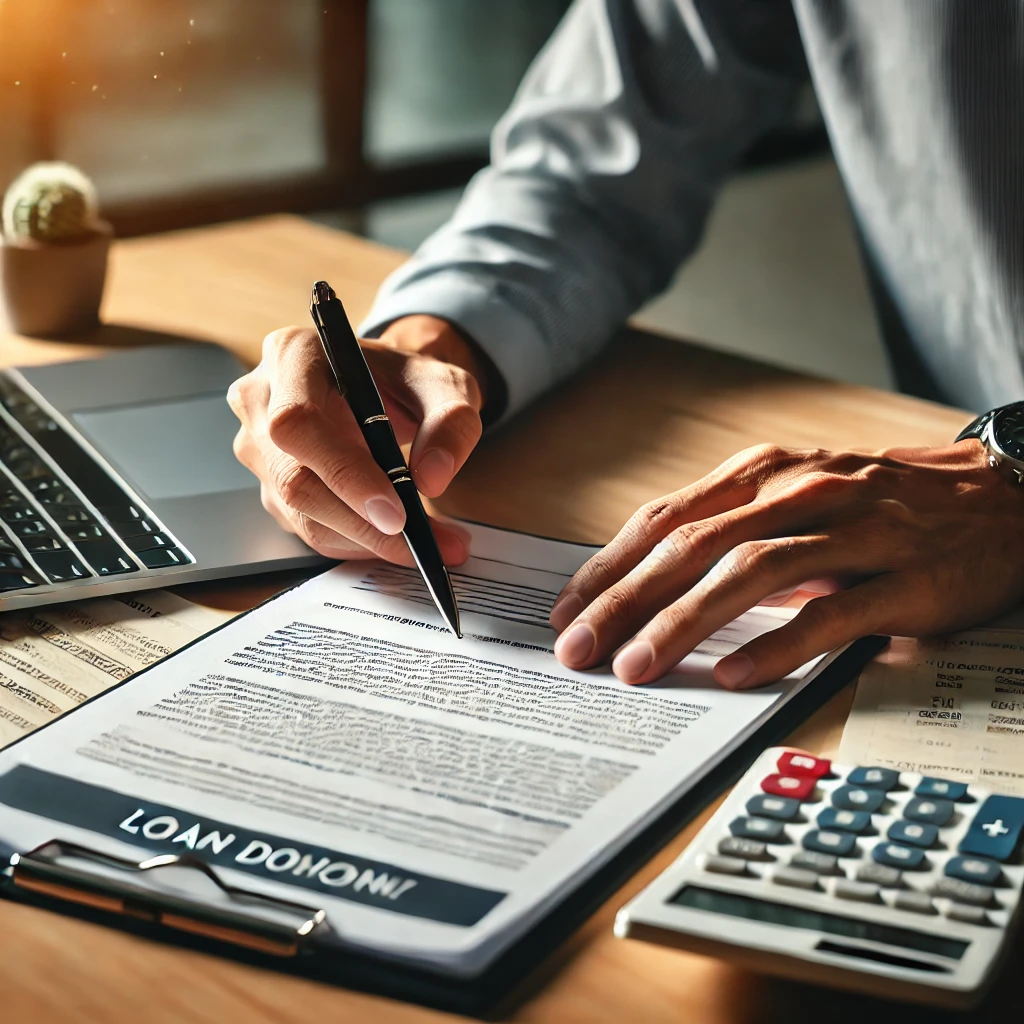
<point>864,878</point>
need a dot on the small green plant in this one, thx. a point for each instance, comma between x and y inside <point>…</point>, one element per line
<point>50,203</point>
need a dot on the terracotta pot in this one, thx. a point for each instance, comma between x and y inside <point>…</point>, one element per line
<point>54,290</point>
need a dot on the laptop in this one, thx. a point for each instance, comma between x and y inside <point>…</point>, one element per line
<point>117,474</point>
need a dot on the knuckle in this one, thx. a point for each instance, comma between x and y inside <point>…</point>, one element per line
<point>293,483</point>
<point>654,517</point>
<point>820,484</point>
<point>241,445</point>
<point>287,421</point>
<point>277,340</point>
<point>749,557</point>
<point>462,421</point>
<point>823,616</point>
<point>617,604</point>
<point>696,541</point>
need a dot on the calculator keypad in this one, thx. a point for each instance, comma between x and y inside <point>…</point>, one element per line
<point>870,835</point>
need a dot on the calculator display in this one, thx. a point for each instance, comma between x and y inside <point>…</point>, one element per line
<point>814,920</point>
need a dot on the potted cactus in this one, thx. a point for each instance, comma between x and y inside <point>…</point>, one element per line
<point>53,256</point>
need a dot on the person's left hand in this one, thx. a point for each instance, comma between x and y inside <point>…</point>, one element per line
<point>919,540</point>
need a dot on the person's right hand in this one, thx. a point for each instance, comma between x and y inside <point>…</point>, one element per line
<point>299,437</point>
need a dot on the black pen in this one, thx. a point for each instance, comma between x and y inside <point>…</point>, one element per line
<point>357,387</point>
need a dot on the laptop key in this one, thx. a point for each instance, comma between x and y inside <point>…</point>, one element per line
<point>18,580</point>
<point>105,557</point>
<point>148,542</point>
<point>30,528</point>
<point>161,558</point>
<point>11,561</point>
<point>122,513</point>
<point>18,513</point>
<point>84,531</point>
<point>44,544</point>
<point>61,566</point>
<point>66,515</point>
<point>136,528</point>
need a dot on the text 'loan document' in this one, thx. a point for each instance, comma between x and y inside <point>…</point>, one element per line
<point>434,795</point>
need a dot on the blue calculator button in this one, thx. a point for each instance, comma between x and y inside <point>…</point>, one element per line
<point>893,855</point>
<point>941,788</point>
<point>854,798</point>
<point>974,869</point>
<point>934,811</point>
<point>783,808</point>
<point>873,778</point>
<point>842,844</point>
<point>845,821</point>
<point>996,828</point>
<point>765,829</point>
<point>913,833</point>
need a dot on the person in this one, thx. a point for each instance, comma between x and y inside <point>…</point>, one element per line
<point>602,175</point>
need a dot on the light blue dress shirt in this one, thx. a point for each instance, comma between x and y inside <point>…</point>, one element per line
<point>604,169</point>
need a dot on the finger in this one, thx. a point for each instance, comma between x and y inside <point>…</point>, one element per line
<point>445,400</point>
<point>820,626</point>
<point>308,420</point>
<point>735,483</point>
<point>326,543</point>
<point>676,564</point>
<point>749,573</point>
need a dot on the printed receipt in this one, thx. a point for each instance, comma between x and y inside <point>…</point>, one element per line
<point>54,658</point>
<point>951,706</point>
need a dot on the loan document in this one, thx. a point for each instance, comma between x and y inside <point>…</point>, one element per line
<point>435,796</point>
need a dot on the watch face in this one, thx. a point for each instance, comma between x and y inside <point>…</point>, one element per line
<point>1008,429</point>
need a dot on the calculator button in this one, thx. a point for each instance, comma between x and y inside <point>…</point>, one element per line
<point>854,798</point>
<point>819,863</point>
<point>974,869</point>
<point>782,807</point>
<point>846,821</point>
<point>889,878</point>
<point>914,901</point>
<point>873,778</point>
<point>965,892</point>
<point>765,829</point>
<point>788,785</point>
<point>793,763</point>
<point>914,833</point>
<point>795,877</point>
<point>747,849</point>
<point>967,915</point>
<point>893,855</point>
<point>933,811</point>
<point>996,828</point>
<point>864,892</point>
<point>842,844</point>
<point>724,865</point>
<point>942,788</point>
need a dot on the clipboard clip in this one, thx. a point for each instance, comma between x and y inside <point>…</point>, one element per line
<point>68,871</point>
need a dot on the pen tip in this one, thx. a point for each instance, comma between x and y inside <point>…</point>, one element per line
<point>322,292</point>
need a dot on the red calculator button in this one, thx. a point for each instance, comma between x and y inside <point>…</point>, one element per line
<point>807,767</point>
<point>788,785</point>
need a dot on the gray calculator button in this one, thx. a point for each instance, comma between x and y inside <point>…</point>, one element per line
<point>797,878</point>
<point>724,865</point>
<point>968,915</point>
<point>864,892</point>
<point>820,863</point>
<point>880,875</point>
<point>965,892</point>
<point>748,849</point>
<point>914,901</point>
<point>765,829</point>
<point>783,808</point>
<point>974,869</point>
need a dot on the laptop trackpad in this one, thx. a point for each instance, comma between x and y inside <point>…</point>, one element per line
<point>169,449</point>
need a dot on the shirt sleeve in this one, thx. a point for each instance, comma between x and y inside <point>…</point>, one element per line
<point>601,177</point>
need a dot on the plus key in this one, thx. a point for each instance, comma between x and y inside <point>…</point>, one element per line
<point>996,828</point>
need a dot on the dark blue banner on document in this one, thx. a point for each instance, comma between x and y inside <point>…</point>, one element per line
<point>172,830</point>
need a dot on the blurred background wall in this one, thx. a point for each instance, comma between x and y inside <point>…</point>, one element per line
<point>370,115</point>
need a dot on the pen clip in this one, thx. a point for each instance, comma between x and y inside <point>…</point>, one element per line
<point>321,329</point>
<point>75,873</point>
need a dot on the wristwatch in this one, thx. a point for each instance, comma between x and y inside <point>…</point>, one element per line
<point>1001,431</point>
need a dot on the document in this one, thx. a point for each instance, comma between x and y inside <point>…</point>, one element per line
<point>951,707</point>
<point>54,658</point>
<point>340,746</point>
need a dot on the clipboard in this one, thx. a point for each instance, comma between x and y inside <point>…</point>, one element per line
<point>92,886</point>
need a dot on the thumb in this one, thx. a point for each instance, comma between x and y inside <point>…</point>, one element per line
<point>447,400</point>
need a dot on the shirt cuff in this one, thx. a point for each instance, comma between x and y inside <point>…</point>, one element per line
<point>509,338</point>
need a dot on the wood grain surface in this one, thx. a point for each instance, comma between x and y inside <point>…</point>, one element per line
<point>647,417</point>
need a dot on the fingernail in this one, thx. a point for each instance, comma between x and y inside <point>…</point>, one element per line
<point>435,469</point>
<point>386,516</point>
<point>574,647</point>
<point>633,661</point>
<point>564,610</point>
<point>734,670</point>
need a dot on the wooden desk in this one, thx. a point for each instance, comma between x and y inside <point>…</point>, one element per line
<point>574,466</point>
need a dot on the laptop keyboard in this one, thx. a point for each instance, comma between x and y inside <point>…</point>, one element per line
<point>68,523</point>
